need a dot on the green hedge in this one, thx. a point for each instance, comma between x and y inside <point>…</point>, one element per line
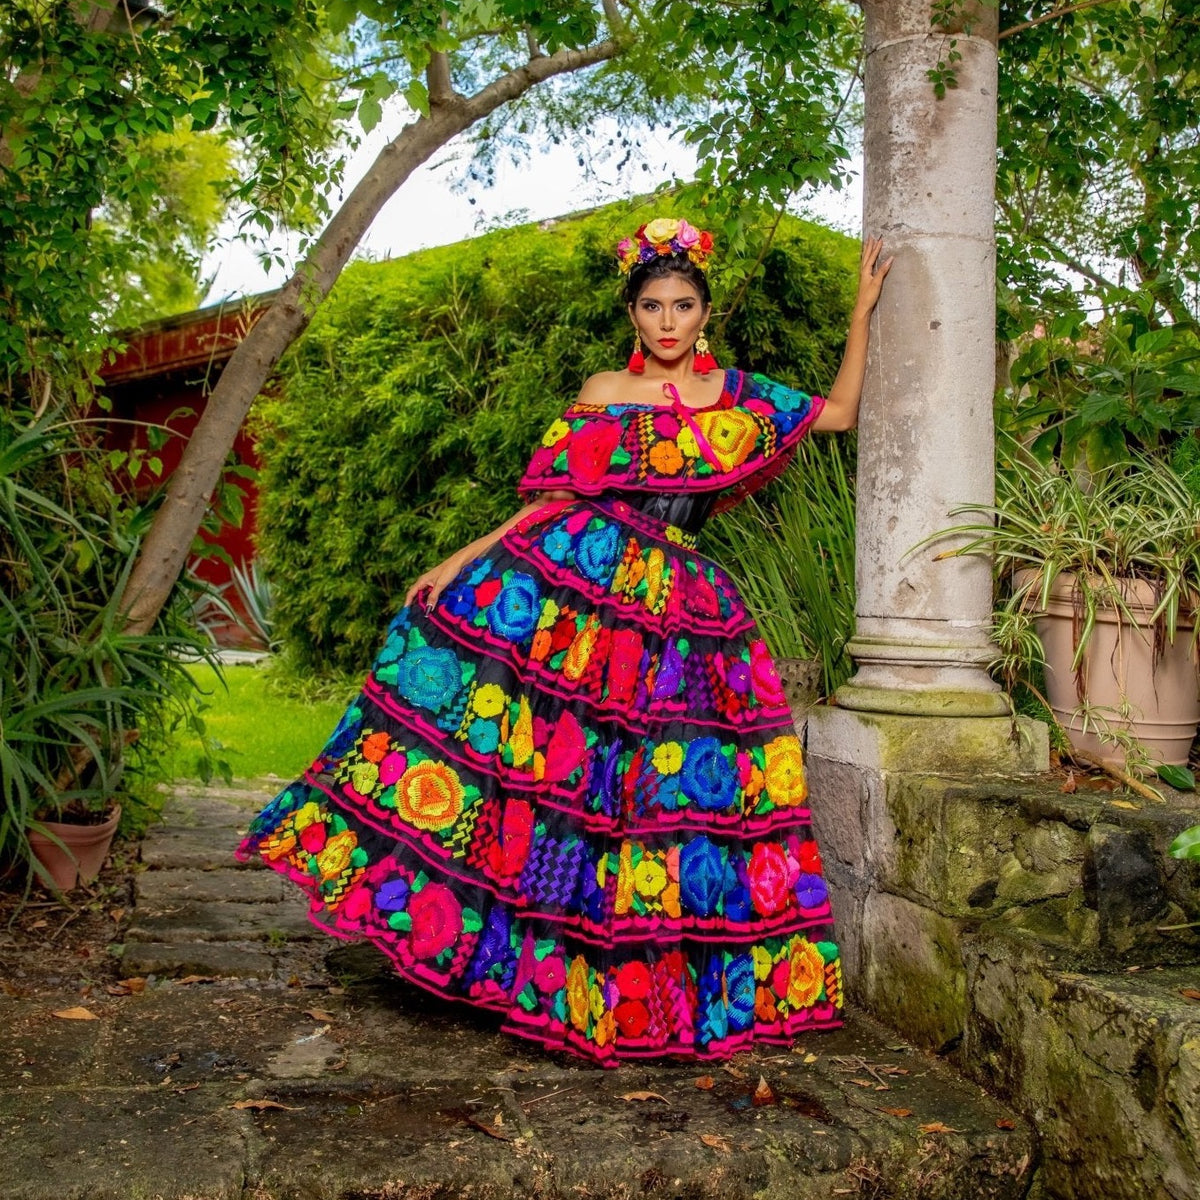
<point>409,409</point>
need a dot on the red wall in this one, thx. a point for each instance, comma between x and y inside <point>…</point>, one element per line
<point>163,377</point>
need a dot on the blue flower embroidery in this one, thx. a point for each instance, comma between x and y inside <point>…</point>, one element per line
<point>429,677</point>
<point>514,612</point>
<point>739,987</point>
<point>737,892</point>
<point>701,875</point>
<point>596,553</point>
<point>811,891</point>
<point>557,544</point>
<point>483,736</point>
<point>708,779</point>
<point>393,896</point>
<point>459,600</point>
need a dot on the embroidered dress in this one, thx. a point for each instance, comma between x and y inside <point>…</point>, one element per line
<point>572,792</point>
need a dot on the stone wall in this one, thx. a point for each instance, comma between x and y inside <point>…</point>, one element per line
<point>1042,938</point>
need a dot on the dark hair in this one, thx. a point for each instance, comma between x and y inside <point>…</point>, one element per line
<point>660,268</point>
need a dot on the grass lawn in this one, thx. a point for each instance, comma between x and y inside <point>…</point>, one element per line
<point>260,733</point>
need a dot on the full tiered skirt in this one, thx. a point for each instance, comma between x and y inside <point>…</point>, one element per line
<point>572,793</point>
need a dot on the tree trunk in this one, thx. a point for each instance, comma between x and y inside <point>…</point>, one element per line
<point>192,483</point>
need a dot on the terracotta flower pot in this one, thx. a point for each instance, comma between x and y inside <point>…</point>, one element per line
<point>82,853</point>
<point>1119,670</point>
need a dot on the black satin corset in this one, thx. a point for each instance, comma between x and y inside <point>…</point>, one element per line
<point>687,510</point>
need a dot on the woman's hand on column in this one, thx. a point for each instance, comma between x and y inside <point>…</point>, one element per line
<point>871,274</point>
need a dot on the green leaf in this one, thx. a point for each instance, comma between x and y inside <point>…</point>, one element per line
<point>1187,844</point>
<point>1177,777</point>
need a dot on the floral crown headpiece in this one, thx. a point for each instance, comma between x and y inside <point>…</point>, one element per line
<point>663,236</point>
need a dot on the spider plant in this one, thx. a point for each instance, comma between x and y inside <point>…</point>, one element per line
<point>1134,521</point>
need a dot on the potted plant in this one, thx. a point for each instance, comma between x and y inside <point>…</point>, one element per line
<point>75,691</point>
<point>1098,576</point>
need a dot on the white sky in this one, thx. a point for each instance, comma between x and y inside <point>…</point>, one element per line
<point>434,207</point>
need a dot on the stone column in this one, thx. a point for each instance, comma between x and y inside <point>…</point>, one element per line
<point>926,441</point>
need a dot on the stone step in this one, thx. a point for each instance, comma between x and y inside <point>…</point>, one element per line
<point>228,921</point>
<point>1107,1064</point>
<point>168,887</point>
<point>385,1091</point>
<point>227,960</point>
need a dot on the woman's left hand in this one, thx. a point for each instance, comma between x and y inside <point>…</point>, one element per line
<point>871,274</point>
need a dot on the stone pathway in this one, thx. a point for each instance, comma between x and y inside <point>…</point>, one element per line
<point>263,1062</point>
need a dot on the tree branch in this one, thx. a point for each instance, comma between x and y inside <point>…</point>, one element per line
<point>437,79</point>
<point>191,486</point>
<point>1066,10</point>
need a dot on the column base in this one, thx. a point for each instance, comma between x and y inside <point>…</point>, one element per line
<point>919,678</point>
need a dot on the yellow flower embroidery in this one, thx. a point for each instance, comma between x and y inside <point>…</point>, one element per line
<point>762,963</point>
<point>731,433</point>
<point>656,576</point>
<point>649,877</point>
<point>521,739</point>
<point>580,650</point>
<point>577,993</point>
<point>334,856</point>
<point>806,975</point>
<point>667,758</point>
<point>785,772</point>
<point>625,879</point>
<point>556,433</point>
<point>489,700</point>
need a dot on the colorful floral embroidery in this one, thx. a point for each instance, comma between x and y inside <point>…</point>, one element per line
<point>572,792</point>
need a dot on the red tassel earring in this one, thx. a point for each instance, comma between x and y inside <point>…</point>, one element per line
<point>637,360</point>
<point>704,361</point>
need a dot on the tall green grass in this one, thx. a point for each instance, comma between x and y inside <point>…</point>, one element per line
<point>791,551</point>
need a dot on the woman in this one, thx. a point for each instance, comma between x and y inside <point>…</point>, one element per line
<point>569,790</point>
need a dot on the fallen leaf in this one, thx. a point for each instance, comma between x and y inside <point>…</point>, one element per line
<point>116,989</point>
<point>937,1127</point>
<point>1132,970</point>
<point>864,1083</point>
<point>897,1112</point>
<point>335,991</point>
<point>644,1096</point>
<point>716,1141</point>
<point>811,1058</point>
<point>318,1014</point>
<point>135,985</point>
<point>39,924</point>
<point>763,1094</point>
<point>705,1083</point>
<point>883,1087</point>
<point>1126,804</point>
<point>1190,993</point>
<point>261,1104</point>
<point>76,1014</point>
<point>1069,785</point>
<point>188,979</point>
<point>187,1087</point>
<point>730,1069</point>
<point>117,915</point>
<point>490,1130</point>
<point>1006,1123</point>
<point>294,981</point>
